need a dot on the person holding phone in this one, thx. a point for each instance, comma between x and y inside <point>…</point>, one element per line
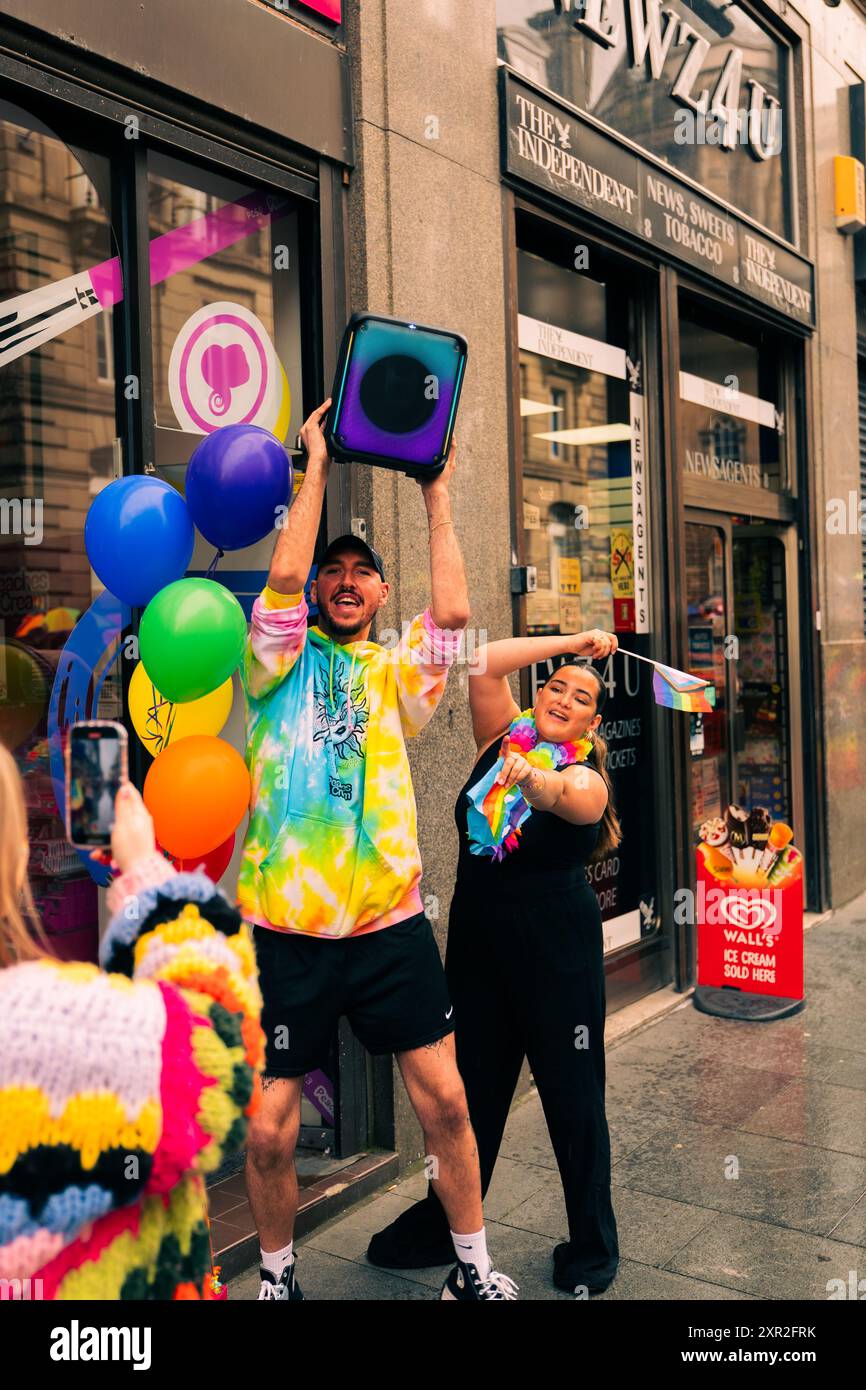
<point>331,870</point>
<point>120,1088</point>
<point>525,962</point>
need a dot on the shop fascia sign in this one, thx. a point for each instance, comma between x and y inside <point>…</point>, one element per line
<point>653,30</point>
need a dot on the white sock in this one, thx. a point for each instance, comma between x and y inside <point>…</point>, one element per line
<point>276,1261</point>
<point>472,1250</point>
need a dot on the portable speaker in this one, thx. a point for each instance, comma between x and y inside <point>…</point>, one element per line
<point>395,394</point>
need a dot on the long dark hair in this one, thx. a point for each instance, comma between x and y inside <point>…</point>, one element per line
<point>610,831</point>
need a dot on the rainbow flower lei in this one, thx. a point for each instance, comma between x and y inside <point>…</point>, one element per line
<point>496,814</point>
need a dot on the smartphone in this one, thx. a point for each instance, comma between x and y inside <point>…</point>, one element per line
<point>96,765</point>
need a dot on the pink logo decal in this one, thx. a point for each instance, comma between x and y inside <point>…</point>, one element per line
<point>223,368</point>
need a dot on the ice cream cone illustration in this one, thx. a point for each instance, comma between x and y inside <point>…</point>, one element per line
<point>759,827</point>
<point>785,866</point>
<point>717,861</point>
<point>714,832</point>
<point>780,835</point>
<point>737,821</point>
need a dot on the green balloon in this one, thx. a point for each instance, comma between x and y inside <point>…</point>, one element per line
<point>191,638</point>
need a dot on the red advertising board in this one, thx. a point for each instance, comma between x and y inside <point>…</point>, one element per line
<point>329,9</point>
<point>749,909</point>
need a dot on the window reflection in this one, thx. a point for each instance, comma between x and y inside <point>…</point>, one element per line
<point>225,310</point>
<point>57,427</point>
<point>540,41</point>
<point>708,624</point>
<point>576,462</point>
<point>730,400</point>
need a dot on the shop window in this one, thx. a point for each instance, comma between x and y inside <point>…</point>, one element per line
<point>736,588</point>
<point>731,404</point>
<point>58,423</point>
<point>225,318</point>
<point>763,677</point>
<point>551,44</point>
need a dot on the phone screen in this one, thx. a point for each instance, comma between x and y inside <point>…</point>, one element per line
<point>96,770</point>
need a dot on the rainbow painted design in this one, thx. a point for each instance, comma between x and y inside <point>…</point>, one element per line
<point>682,691</point>
<point>332,845</point>
<point>118,1095</point>
<point>496,813</point>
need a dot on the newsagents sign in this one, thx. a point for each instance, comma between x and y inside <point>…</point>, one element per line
<point>699,84</point>
<point>554,147</point>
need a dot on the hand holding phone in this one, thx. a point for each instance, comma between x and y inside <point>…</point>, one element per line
<point>96,768</point>
<point>132,836</point>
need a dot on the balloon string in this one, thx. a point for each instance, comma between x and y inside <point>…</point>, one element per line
<point>153,718</point>
<point>213,564</point>
<point>172,714</point>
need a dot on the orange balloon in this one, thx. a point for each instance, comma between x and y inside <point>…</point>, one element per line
<point>197,791</point>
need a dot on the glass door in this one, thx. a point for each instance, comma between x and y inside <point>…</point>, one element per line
<point>766,762</point>
<point>742,627</point>
<point>709,612</point>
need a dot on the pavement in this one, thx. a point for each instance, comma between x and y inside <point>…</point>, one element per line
<point>739,1160</point>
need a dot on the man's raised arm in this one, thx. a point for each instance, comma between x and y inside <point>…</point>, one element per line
<point>449,606</point>
<point>278,629</point>
<point>431,643</point>
<point>296,541</point>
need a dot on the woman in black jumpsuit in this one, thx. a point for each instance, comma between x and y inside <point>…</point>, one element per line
<point>525,964</point>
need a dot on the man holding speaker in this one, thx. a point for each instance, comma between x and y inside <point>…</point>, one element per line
<point>331,868</point>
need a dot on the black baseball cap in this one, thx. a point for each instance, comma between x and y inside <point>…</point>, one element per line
<point>352,542</point>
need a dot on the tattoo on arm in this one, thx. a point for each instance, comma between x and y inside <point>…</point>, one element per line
<point>534,784</point>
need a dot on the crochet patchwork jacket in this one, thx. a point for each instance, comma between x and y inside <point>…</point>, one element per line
<point>120,1091</point>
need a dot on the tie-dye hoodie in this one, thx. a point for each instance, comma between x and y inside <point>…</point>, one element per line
<point>332,844</point>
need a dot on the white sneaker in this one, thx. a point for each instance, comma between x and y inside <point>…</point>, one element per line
<point>464,1284</point>
<point>284,1288</point>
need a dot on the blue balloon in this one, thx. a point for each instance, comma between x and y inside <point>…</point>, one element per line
<point>236,481</point>
<point>139,537</point>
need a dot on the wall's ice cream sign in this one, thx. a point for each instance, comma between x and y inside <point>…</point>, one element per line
<point>750,904</point>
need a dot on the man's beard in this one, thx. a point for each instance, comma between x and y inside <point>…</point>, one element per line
<point>348,626</point>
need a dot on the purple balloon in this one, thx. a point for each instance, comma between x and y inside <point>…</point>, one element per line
<point>236,480</point>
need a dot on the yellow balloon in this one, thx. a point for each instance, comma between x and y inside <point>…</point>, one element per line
<point>281,424</point>
<point>159,722</point>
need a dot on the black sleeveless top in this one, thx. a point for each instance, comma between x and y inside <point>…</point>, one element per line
<point>547,843</point>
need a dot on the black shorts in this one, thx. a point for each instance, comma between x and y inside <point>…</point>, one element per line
<point>389,984</point>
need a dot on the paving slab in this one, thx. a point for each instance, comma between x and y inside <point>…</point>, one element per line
<point>796,1185</point>
<point>766,1260</point>
<point>815,1113</point>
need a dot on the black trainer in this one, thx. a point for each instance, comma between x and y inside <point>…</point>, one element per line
<point>285,1288</point>
<point>464,1283</point>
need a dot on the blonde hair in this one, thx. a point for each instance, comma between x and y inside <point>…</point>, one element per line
<point>19,920</point>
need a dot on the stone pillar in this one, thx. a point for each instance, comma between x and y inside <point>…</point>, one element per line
<point>836,35</point>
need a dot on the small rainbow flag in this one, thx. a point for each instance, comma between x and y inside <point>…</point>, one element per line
<point>682,691</point>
